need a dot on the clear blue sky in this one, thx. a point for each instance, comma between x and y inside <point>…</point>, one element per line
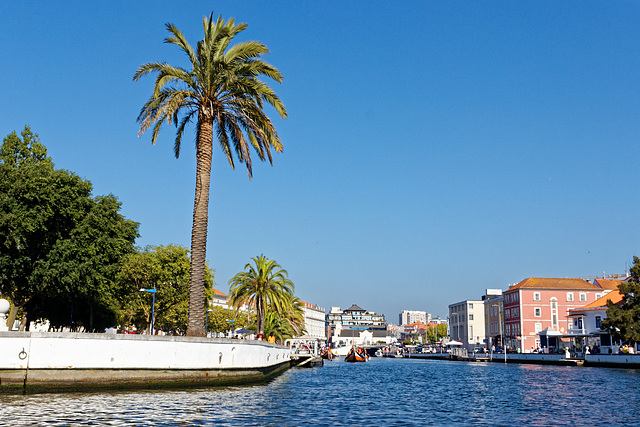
<point>432,149</point>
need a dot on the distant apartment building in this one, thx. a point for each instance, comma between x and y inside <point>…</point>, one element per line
<point>314,320</point>
<point>466,323</point>
<point>354,325</point>
<point>493,317</point>
<point>537,304</point>
<point>411,316</point>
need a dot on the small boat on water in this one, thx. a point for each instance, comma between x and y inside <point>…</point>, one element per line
<point>356,355</point>
<point>327,354</point>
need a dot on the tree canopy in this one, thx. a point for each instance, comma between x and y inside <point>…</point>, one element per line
<point>60,248</point>
<point>623,319</point>
<point>264,285</point>
<point>165,268</point>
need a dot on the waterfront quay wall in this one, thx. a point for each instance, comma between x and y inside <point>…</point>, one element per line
<point>536,358</point>
<point>631,361</point>
<point>32,361</point>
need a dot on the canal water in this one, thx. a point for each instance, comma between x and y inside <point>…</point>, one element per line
<point>395,392</point>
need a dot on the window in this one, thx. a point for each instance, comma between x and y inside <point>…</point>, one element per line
<point>536,296</point>
<point>471,316</point>
<point>538,326</point>
<point>598,320</point>
<point>598,296</point>
<point>470,305</point>
<point>569,296</point>
<point>537,312</point>
<point>583,297</point>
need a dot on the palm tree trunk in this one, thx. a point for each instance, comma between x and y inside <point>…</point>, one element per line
<point>260,314</point>
<point>204,153</point>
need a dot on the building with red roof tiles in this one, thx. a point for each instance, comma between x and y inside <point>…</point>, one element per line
<point>219,299</point>
<point>585,323</point>
<point>539,303</point>
<point>415,328</point>
<point>608,284</point>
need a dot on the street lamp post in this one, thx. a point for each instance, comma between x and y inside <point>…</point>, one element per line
<point>153,303</point>
<point>206,321</point>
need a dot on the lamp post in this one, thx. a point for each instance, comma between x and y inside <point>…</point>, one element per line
<point>153,303</point>
<point>206,321</point>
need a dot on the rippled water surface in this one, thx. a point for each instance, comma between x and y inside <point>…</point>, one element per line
<point>381,392</point>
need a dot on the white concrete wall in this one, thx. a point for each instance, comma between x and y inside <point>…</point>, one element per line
<point>615,359</point>
<point>99,351</point>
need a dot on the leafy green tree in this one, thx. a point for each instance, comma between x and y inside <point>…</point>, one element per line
<point>264,285</point>
<point>16,151</point>
<point>219,320</point>
<point>293,313</point>
<point>82,269</point>
<point>59,247</point>
<point>224,95</point>
<point>437,332</point>
<point>623,320</point>
<point>165,268</point>
<point>277,326</point>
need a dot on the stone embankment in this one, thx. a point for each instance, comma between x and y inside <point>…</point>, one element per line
<point>628,361</point>
<point>31,361</point>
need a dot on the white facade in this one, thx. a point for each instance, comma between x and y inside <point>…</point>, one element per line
<point>466,323</point>
<point>411,316</point>
<point>314,320</point>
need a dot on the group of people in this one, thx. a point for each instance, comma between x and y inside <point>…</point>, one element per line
<point>626,349</point>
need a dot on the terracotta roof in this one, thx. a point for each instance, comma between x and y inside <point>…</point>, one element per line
<point>554,283</point>
<point>614,296</point>
<point>217,292</point>
<point>608,284</point>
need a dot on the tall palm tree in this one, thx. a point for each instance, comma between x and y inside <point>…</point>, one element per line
<point>223,94</point>
<point>264,285</point>
<point>294,315</point>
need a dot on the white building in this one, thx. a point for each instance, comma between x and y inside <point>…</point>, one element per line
<point>412,316</point>
<point>314,320</point>
<point>466,323</point>
<point>219,299</point>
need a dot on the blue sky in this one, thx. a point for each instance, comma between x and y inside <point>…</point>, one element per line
<point>432,149</point>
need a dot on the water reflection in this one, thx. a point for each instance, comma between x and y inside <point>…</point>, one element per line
<point>381,392</point>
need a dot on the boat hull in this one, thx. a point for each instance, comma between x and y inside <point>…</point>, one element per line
<point>355,357</point>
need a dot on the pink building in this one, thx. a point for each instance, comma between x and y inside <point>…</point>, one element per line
<point>536,304</point>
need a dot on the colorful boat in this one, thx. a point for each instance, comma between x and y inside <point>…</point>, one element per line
<point>356,355</point>
<point>327,354</point>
